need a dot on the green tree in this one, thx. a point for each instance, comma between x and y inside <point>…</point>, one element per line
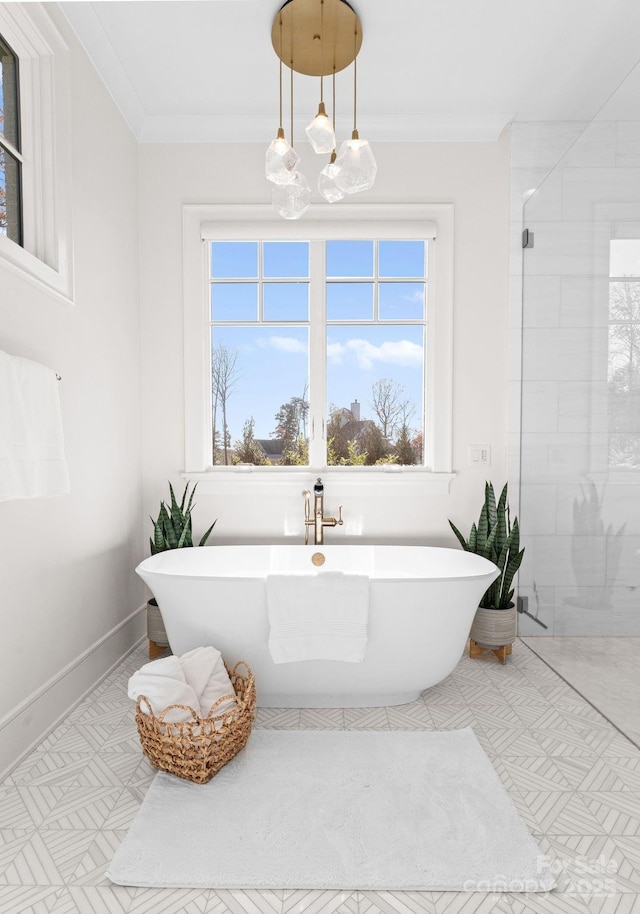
<point>291,420</point>
<point>352,442</point>
<point>299,454</point>
<point>248,450</point>
<point>404,448</point>
<point>372,443</point>
<point>350,457</point>
<point>355,457</point>
<point>336,441</point>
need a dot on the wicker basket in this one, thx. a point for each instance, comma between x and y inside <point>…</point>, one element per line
<point>197,749</point>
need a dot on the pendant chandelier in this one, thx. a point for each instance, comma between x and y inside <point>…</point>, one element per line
<point>317,38</point>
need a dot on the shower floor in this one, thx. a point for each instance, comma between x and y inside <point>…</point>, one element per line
<point>605,670</point>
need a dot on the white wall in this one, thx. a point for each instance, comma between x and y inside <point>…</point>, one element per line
<point>475,178</point>
<point>66,564</point>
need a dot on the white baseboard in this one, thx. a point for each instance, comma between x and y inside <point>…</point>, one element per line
<point>23,728</point>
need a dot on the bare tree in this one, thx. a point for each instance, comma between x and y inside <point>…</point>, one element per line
<point>624,374</point>
<point>624,335</point>
<point>389,405</point>
<point>224,377</point>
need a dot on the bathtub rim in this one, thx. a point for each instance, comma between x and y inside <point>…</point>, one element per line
<point>491,573</point>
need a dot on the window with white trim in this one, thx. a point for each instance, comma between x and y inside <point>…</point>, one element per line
<point>35,152</point>
<point>320,346</point>
<point>10,155</point>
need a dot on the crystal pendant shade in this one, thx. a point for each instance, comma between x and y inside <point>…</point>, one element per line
<point>317,38</point>
<point>281,160</point>
<point>327,181</point>
<point>292,200</point>
<point>356,164</point>
<point>320,132</point>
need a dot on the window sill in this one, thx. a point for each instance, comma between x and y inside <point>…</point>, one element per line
<point>280,480</point>
<point>36,272</point>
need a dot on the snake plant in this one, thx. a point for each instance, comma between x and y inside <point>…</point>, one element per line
<point>497,540</point>
<point>173,527</point>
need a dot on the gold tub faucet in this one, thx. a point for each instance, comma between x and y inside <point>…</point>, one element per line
<point>318,521</point>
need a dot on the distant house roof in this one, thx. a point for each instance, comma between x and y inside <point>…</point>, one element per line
<point>355,428</point>
<point>272,447</point>
<point>345,415</point>
<point>349,415</point>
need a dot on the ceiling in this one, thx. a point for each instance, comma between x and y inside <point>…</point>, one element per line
<point>205,71</point>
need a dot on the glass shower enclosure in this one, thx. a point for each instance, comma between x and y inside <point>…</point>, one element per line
<point>580,383</point>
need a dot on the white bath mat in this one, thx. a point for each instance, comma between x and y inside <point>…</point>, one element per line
<point>337,810</point>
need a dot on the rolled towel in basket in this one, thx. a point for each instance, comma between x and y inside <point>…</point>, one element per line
<point>204,669</point>
<point>163,684</point>
<point>197,679</point>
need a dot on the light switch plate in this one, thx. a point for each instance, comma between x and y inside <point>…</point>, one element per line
<point>479,455</point>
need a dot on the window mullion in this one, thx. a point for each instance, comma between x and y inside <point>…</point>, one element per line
<point>260,282</point>
<point>317,356</point>
<point>376,291</point>
<point>10,148</point>
<point>430,379</point>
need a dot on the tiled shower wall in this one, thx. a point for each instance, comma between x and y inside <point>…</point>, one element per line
<point>578,507</point>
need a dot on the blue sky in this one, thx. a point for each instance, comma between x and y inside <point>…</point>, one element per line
<point>272,360</point>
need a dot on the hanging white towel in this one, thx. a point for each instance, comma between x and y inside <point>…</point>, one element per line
<point>318,617</point>
<point>32,458</point>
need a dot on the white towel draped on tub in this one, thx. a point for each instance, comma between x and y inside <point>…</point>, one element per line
<point>32,459</point>
<point>318,617</point>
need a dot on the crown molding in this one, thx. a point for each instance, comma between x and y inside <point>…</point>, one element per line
<point>418,128</point>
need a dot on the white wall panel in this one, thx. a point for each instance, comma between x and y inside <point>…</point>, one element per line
<point>68,563</point>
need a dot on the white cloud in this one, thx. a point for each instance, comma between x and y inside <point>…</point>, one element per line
<point>335,353</point>
<point>400,352</point>
<point>284,344</point>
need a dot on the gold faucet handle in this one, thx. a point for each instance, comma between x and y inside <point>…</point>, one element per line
<point>340,521</point>
<point>306,494</point>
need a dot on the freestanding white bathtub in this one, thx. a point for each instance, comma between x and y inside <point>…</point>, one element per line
<point>422,603</point>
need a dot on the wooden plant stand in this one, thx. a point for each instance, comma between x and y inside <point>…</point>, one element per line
<point>501,652</point>
<point>156,650</point>
<point>156,632</point>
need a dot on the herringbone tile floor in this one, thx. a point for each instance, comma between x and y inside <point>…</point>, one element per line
<point>573,777</point>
